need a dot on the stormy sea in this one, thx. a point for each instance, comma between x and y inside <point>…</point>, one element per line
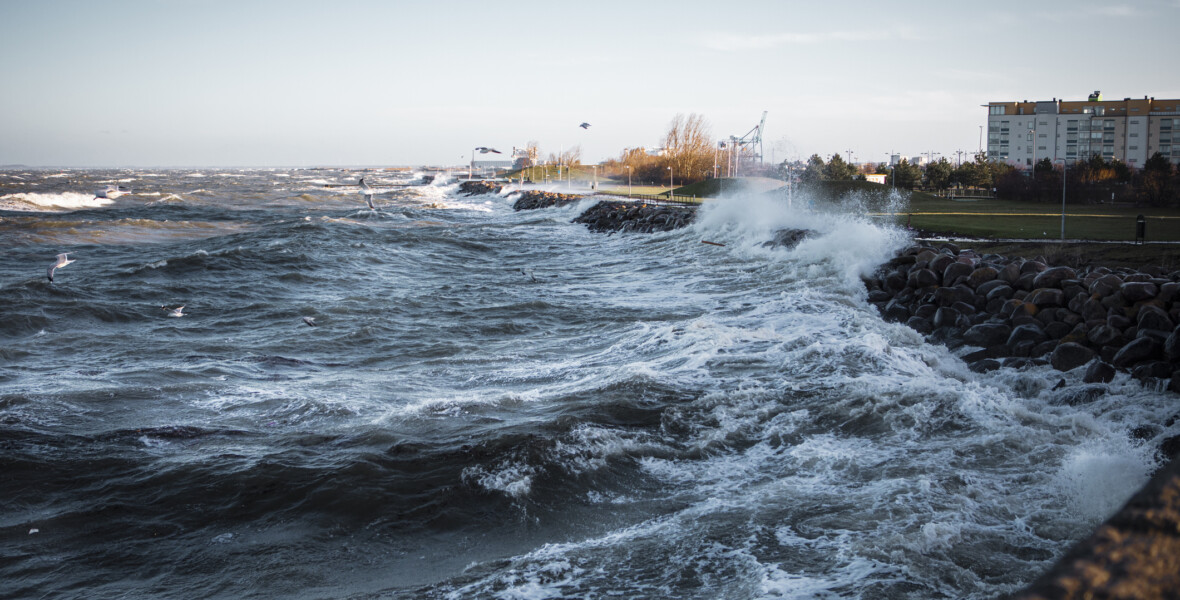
<point>441,397</point>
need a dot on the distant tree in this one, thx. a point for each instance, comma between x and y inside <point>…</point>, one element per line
<point>688,147</point>
<point>1156,185</point>
<point>838,170</point>
<point>814,170</point>
<point>1043,167</point>
<point>938,174</point>
<point>907,175</point>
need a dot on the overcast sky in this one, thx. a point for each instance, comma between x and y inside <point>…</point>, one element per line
<point>355,83</point>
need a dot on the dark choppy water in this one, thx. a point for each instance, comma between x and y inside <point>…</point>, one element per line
<point>635,416</point>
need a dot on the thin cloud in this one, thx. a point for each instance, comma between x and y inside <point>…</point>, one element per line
<point>734,42</point>
<point>1121,10</point>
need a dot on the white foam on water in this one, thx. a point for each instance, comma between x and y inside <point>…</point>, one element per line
<point>59,202</point>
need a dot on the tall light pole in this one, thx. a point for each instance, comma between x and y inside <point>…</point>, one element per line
<point>671,187</point>
<point>1032,135</point>
<point>981,139</point>
<point>595,167</point>
<point>628,167</point>
<point>1063,173</point>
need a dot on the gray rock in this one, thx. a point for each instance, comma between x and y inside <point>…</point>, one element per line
<point>1134,291</point>
<point>1136,351</point>
<point>921,325</point>
<point>981,276</point>
<point>985,365</point>
<point>987,334</point>
<point>1069,356</point>
<point>1172,346</point>
<point>954,271</point>
<point>921,278</point>
<point>1155,318</point>
<point>1026,333</point>
<point>1052,277</point>
<point>1106,285</point>
<point>1043,296</point>
<point>1099,372</point>
<point>946,317</point>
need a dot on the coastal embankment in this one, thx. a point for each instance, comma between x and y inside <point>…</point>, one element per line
<point>1070,313</point>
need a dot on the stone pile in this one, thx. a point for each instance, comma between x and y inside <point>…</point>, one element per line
<point>1026,311</point>
<point>630,216</point>
<point>477,187</point>
<point>534,199</point>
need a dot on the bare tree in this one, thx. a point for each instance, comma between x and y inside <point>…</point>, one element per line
<point>688,147</point>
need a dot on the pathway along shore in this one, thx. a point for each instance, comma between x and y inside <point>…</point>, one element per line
<point>1022,312</point>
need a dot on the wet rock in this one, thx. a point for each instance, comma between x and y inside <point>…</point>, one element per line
<point>921,325</point>
<point>1135,351</point>
<point>1053,276</point>
<point>1172,346</point>
<point>1027,333</point>
<point>985,365</point>
<point>1043,297</point>
<point>1099,372</point>
<point>954,271</point>
<point>896,311</point>
<point>1155,318</point>
<point>981,276</point>
<point>921,278</point>
<point>987,334</point>
<point>1069,356</point>
<point>1106,285</point>
<point>946,317</point>
<point>1080,395</point>
<point>1134,291</point>
<point>787,238</point>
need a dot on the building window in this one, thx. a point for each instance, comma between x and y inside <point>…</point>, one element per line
<point>997,110</point>
<point>1134,121</point>
<point>1132,147</point>
<point>1165,150</point>
<point>1134,135</point>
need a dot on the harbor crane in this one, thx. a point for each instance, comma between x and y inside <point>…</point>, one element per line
<point>747,149</point>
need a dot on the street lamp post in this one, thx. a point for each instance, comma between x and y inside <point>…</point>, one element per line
<point>1064,170</point>
<point>595,167</point>
<point>628,167</point>
<point>671,186</point>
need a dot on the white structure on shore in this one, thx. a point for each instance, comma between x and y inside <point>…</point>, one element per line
<point>1022,133</point>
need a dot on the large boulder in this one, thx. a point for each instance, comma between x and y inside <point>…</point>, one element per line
<point>1052,277</point>
<point>956,270</point>
<point>1105,285</point>
<point>1046,296</point>
<point>1099,372</point>
<point>987,334</point>
<point>1134,291</point>
<point>1069,356</point>
<point>1154,318</point>
<point>1025,333</point>
<point>1137,350</point>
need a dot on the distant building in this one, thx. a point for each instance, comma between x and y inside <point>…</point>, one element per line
<point>1022,133</point>
<point>876,178</point>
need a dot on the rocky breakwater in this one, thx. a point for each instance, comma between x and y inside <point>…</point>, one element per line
<point>475,188</point>
<point>1021,312</point>
<point>534,199</point>
<point>639,217</point>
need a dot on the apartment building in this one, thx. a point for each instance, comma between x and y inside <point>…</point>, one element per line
<point>1130,130</point>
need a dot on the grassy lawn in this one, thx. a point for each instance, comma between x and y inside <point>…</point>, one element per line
<point>1009,219</point>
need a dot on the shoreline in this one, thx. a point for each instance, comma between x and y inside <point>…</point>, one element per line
<point>1108,308</point>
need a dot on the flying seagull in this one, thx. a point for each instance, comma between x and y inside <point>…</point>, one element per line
<point>62,260</point>
<point>310,321</point>
<point>485,150</point>
<point>368,192</point>
<point>584,126</point>
<point>111,192</point>
<point>174,312</point>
